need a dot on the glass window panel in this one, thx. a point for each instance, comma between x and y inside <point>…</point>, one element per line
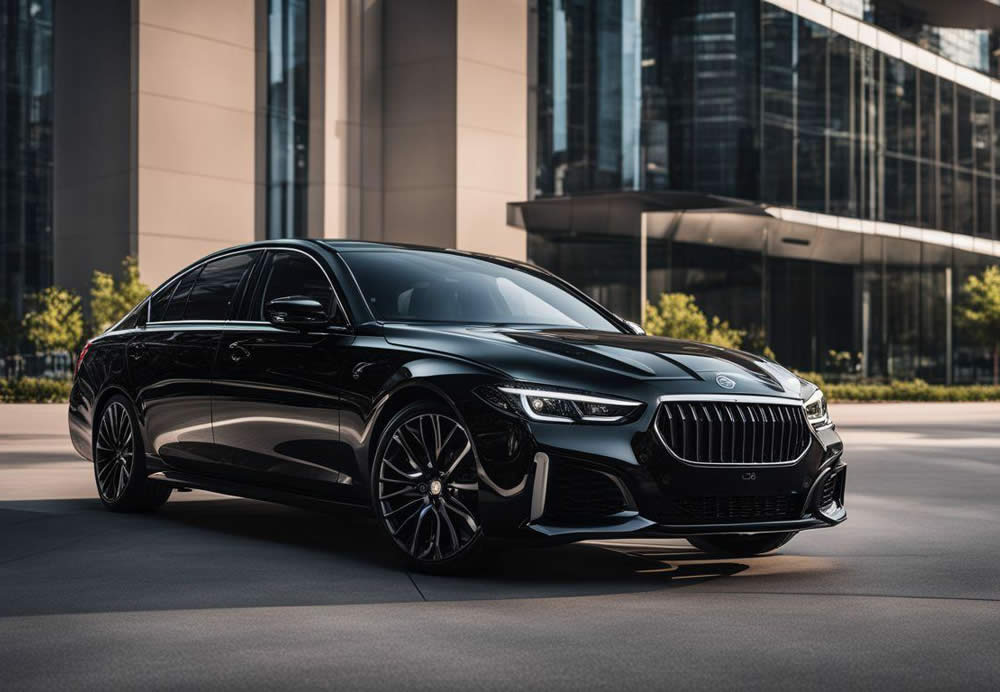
<point>213,293</point>
<point>292,274</point>
<point>964,127</point>
<point>935,271</point>
<point>779,30</point>
<point>928,115</point>
<point>811,172</point>
<point>984,206</point>
<point>175,311</point>
<point>900,106</point>
<point>963,203</point>
<point>900,190</point>
<point>287,118</point>
<point>872,306</point>
<point>928,196</point>
<point>972,362</point>
<point>160,301</point>
<point>810,160</point>
<point>26,153</point>
<point>996,139</point>
<point>947,193</point>
<point>843,143</point>
<point>902,301</point>
<point>981,144</point>
<point>946,93</point>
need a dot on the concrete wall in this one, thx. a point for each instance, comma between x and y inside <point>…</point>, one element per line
<point>491,124</point>
<point>455,122</point>
<point>418,132</point>
<point>195,138</point>
<point>350,133</point>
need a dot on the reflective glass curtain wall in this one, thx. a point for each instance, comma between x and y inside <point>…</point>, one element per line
<point>635,94</point>
<point>287,117</point>
<point>25,152</point>
<point>747,100</point>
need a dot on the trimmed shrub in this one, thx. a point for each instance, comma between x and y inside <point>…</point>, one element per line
<point>913,390</point>
<point>34,390</point>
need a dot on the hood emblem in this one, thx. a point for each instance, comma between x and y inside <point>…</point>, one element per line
<point>725,382</point>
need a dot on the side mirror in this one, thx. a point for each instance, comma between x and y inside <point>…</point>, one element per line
<point>296,312</point>
<point>636,329</point>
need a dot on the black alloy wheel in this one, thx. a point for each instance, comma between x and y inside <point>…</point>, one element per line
<point>425,486</point>
<point>119,464</point>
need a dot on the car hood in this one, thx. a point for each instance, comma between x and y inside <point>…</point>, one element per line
<point>600,361</point>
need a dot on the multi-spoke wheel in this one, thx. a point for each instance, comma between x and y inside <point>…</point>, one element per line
<point>425,486</point>
<point>119,466</point>
<point>114,452</point>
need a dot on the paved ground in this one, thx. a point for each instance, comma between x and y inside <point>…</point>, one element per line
<point>227,593</point>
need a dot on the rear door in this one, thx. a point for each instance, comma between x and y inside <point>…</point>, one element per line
<point>277,406</point>
<point>170,361</point>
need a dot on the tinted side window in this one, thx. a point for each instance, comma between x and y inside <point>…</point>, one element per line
<point>158,305</point>
<point>135,318</point>
<point>292,274</point>
<point>175,311</point>
<point>212,294</point>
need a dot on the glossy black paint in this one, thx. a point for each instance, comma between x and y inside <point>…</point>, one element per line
<point>293,415</point>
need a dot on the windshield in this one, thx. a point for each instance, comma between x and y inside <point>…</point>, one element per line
<point>427,286</point>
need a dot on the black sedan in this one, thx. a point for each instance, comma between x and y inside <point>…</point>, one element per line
<point>456,396</point>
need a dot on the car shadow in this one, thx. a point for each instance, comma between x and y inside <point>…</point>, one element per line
<point>210,552</point>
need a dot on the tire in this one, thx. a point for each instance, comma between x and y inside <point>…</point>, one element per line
<point>741,545</point>
<point>425,488</point>
<point>120,461</point>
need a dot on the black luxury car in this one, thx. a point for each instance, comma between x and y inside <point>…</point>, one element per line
<point>457,396</point>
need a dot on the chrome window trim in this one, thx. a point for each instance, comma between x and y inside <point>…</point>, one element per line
<point>265,249</point>
<point>731,399</point>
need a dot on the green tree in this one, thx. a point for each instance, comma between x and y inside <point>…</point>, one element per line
<point>678,316</point>
<point>981,312</point>
<point>56,323</point>
<point>110,300</point>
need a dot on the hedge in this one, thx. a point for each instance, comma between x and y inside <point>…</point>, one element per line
<point>898,390</point>
<point>34,390</point>
<point>914,390</point>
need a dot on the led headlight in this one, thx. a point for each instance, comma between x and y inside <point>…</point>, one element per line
<point>816,411</point>
<point>554,406</point>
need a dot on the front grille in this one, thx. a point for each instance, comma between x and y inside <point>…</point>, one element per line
<point>710,432</point>
<point>736,508</point>
<point>576,495</point>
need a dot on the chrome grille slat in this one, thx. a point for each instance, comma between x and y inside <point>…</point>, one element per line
<point>733,432</point>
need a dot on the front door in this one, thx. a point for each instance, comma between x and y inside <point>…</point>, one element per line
<point>276,410</point>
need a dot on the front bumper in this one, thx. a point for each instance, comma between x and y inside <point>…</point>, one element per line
<point>622,481</point>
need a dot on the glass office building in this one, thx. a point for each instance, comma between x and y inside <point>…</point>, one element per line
<point>807,176</point>
<point>25,152</point>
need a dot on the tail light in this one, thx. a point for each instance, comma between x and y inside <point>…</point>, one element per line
<point>79,359</point>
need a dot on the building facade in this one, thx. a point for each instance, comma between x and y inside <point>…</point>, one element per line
<point>824,176</point>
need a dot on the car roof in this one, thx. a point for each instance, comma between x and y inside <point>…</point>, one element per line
<point>346,246</point>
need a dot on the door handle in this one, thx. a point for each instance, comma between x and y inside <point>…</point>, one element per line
<point>237,352</point>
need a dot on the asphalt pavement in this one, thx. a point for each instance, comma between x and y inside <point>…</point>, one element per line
<point>225,593</point>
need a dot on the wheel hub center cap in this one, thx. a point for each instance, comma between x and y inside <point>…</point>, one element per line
<point>435,488</point>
